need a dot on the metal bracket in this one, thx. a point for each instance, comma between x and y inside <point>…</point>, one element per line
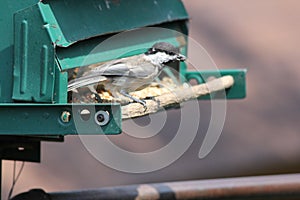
<point>59,119</point>
<point>237,91</point>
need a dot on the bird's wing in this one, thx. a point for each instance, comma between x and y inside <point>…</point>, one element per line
<point>85,81</point>
<point>119,68</point>
<point>143,70</point>
<point>135,67</point>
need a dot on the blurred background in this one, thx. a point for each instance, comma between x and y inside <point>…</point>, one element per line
<point>261,134</point>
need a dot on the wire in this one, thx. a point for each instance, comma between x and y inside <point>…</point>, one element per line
<point>15,178</point>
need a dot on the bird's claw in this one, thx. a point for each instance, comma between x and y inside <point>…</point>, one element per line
<point>135,99</point>
<point>144,104</point>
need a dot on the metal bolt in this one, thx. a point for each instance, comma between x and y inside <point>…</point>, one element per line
<point>65,116</point>
<point>102,118</point>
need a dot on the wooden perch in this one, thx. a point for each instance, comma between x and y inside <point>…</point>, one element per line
<point>177,96</point>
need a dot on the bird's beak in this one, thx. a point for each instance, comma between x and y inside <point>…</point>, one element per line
<point>181,57</point>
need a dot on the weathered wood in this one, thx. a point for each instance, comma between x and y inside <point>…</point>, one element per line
<point>177,96</point>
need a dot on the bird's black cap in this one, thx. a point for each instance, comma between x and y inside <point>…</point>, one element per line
<point>163,47</point>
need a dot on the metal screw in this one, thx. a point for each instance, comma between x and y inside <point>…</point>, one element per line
<point>65,116</point>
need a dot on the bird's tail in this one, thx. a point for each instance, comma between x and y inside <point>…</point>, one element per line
<point>85,81</point>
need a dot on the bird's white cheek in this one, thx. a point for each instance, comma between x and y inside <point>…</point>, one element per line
<point>159,58</point>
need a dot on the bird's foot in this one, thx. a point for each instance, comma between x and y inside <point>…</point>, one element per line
<point>142,102</point>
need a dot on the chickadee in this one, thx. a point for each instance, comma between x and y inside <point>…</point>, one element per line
<point>129,74</point>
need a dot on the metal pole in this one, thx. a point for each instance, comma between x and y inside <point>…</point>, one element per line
<point>280,187</point>
<point>283,187</point>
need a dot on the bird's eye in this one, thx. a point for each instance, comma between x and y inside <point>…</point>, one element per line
<point>152,50</point>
